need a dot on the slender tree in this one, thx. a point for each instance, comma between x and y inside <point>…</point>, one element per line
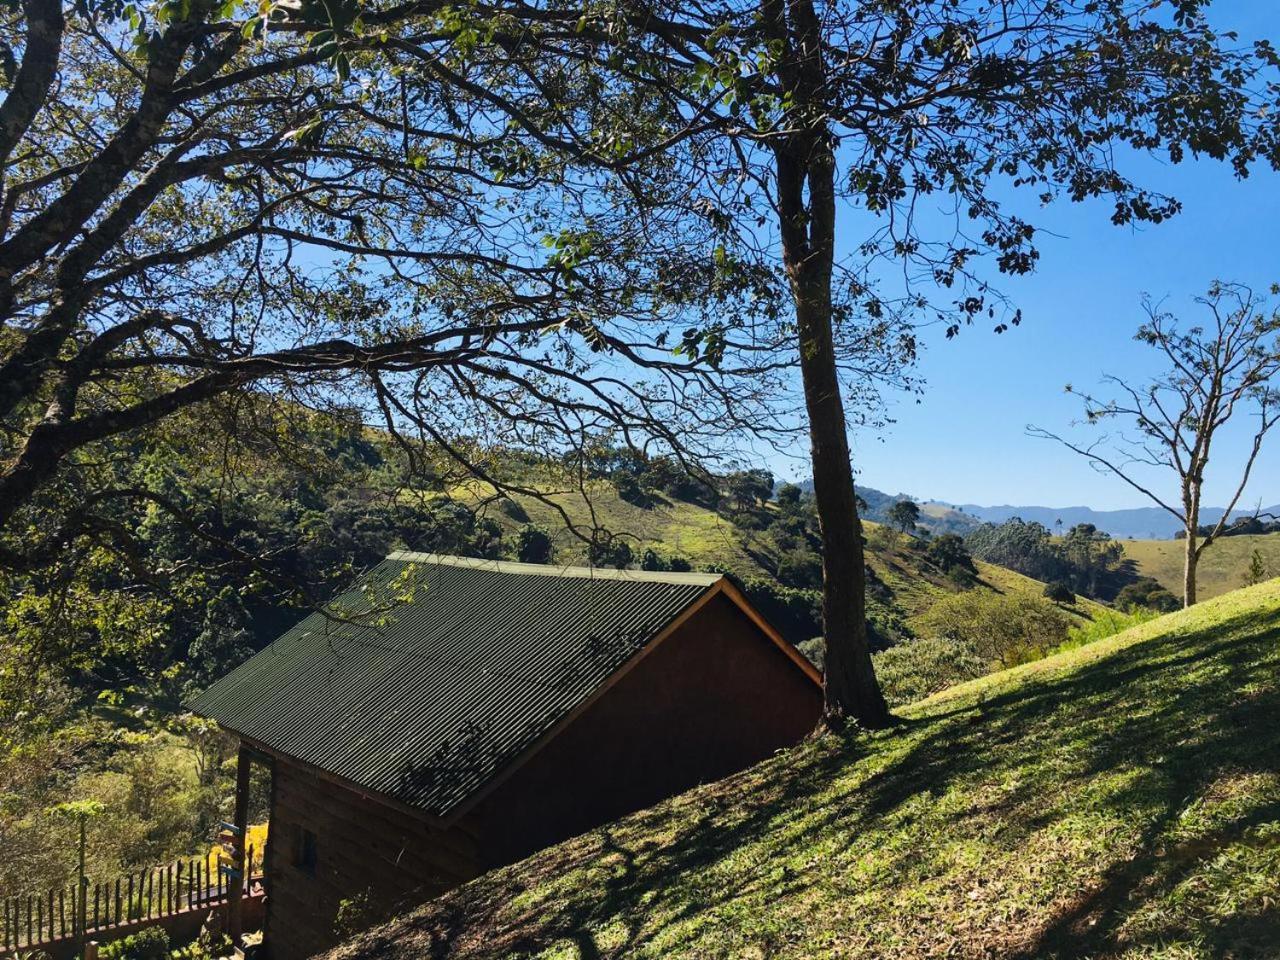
<point>1214,374</point>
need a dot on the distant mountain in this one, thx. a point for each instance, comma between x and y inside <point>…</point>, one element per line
<point>935,516</point>
<point>1139,523</point>
<point>938,516</point>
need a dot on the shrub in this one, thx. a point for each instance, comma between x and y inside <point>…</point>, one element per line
<point>1146,593</point>
<point>949,553</point>
<point>151,943</point>
<point>1059,592</point>
<point>882,538</point>
<point>915,669</point>
<point>1105,624</point>
<point>814,650</point>
<point>533,545</point>
<point>610,553</point>
<point>631,490</point>
<point>652,560</point>
<point>800,568</point>
<point>1005,628</point>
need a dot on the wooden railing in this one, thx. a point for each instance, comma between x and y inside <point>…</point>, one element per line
<point>151,894</point>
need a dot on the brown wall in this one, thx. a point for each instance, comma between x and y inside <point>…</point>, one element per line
<point>360,845</point>
<point>713,698</point>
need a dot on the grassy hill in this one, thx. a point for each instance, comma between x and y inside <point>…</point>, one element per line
<point>1222,566</point>
<point>1118,800</point>
<point>706,538</point>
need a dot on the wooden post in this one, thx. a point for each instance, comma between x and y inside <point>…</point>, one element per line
<point>91,950</point>
<point>235,889</point>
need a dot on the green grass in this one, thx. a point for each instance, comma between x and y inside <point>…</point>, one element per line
<point>1117,800</point>
<point>673,527</point>
<point>1222,567</point>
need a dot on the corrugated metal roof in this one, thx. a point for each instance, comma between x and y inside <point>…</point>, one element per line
<point>438,671</point>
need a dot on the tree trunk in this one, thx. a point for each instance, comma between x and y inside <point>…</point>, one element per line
<point>807,225</point>
<point>1189,570</point>
<point>1191,513</point>
<point>850,687</point>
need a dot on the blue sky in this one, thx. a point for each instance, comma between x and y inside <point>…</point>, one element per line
<point>965,441</point>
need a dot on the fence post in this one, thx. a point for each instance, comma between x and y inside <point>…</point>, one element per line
<point>240,820</point>
<point>82,897</point>
<point>91,950</point>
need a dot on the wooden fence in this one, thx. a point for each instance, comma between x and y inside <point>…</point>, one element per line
<point>183,886</point>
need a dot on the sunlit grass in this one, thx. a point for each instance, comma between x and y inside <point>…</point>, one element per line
<point>1121,799</point>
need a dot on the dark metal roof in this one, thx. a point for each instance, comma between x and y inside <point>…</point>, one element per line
<point>438,671</point>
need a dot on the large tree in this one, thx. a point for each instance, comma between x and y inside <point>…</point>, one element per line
<point>1214,373</point>
<point>922,120</point>
<point>336,205</point>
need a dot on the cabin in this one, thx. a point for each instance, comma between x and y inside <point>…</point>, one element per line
<point>450,715</point>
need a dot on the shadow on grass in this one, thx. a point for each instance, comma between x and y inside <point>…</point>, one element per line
<point>1180,713</point>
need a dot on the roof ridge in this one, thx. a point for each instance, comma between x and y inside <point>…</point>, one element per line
<point>556,570</point>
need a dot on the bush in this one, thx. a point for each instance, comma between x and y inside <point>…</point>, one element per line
<point>1105,624</point>
<point>915,669</point>
<point>801,569</point>
<point>949,553</point>
<point>1005,628</point>
<point>151,943</point>
<point>815,651</point>
<point>1146,593</point>
<point>533,545</point>
<point>610,553</point>
<point>1059,592</point>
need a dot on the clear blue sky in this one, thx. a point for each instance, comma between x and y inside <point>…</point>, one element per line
<point>965,440</point>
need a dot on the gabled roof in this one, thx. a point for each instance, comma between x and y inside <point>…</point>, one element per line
<point>438,672</point>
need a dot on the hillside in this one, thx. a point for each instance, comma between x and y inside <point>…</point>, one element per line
<point>675,527</point>
<point>1118,800</point>
<point>1222,566</point>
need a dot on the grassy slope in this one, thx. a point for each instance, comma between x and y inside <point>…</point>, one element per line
<point>1118,800</point>
<point>1222,567</point>
<point>674,527</point>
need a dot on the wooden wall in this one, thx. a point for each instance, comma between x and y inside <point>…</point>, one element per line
<point>361,845</point>
<point>713,698</point>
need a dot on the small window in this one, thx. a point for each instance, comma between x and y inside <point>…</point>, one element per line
<point>304,850</point>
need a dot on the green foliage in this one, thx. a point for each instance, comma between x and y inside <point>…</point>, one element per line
<point>512,509</point>
<point>801,569</point>
<point>1105,624</point>
<point>608,551</point>
<point>652,560</point>
<point>1087,560</point>
<point>749,489</point>
<point>1146,594</point>
<point>904,515</point>
<point>919,667</point>
<point>1007,629</point>
<point>1059,592</point>
<point>355,913</point>
<point>533,545</point>
<point>1256,572</point>
<point>948,552</point>
<point>150,943</point>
